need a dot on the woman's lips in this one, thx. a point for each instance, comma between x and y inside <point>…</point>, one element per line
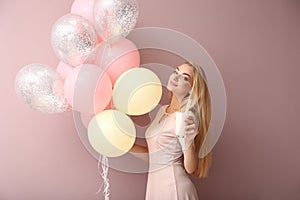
<point>173,83</point>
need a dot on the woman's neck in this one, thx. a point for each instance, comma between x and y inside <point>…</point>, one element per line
<point>174,105</point>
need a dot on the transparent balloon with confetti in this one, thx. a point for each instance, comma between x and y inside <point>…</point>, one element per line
<point>41,88</point>
<point>115,17</point>
<point>73,38</point>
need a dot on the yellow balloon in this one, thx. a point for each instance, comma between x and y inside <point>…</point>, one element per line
<point>137,91</point>
<point>111,133</point>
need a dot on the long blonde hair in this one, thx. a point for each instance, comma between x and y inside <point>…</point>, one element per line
<point>201,107</point>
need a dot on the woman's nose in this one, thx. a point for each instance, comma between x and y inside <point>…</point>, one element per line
<point>176,77</point>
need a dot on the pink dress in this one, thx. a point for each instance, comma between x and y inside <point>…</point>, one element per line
<point>167,178</point>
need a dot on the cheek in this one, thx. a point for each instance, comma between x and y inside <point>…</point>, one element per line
<point>186,86</point>
<point>184,83</point>
<point>183,88</point>
<point>171,77</point>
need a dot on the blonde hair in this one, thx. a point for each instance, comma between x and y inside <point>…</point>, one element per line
<point>201,107</point>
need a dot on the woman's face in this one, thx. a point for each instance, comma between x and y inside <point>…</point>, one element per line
<point>180,81</point>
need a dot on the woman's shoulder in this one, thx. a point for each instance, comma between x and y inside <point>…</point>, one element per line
<point>162,110</point>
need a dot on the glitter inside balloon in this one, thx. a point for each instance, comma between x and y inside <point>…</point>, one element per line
<point>73,38</point>
<point>41,88</point>
<point>114,17</point>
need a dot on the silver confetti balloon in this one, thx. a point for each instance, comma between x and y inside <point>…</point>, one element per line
<point>73,38</point>
<point>115,17</point>
<point>40,87</point>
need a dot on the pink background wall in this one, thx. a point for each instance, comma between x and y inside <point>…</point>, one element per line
<point>256,47</point>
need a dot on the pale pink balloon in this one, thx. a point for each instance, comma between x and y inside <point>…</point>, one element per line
<point>88,89</point>
<point>84,8</point>
<point>85,119</point>
<point>116,57</point>
<point>109,106</point>
<point>63,69</point>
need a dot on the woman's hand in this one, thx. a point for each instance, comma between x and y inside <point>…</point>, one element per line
<point>190,126</point>
<point>189,132</point>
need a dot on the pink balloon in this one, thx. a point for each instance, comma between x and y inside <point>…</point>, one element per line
<point>63,69</point>
<point>109,106</point>
<point>88,89</point>
<point>116,57</point>
<point>85,119</point>
<point>83,8</point>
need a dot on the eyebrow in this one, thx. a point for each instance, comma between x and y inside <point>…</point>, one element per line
<point>184,73</point>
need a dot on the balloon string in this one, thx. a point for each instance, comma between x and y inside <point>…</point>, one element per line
<point>104,173</point>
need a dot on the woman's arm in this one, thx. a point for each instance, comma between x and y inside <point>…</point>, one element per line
<point>190,159</point>
<point>140,151</point>
<point>136,148</point>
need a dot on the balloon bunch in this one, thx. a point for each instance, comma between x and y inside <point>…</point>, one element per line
<point>98,73</point>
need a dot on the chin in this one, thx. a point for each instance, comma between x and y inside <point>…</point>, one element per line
<point>168,88</point>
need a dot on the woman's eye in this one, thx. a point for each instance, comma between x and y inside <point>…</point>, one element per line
<point>186,79</point>
<point>175,72</point>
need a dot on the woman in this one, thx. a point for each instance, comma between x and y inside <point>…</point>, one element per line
<point>171,159</point>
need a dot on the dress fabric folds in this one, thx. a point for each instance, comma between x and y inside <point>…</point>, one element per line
<point>167,178</point>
